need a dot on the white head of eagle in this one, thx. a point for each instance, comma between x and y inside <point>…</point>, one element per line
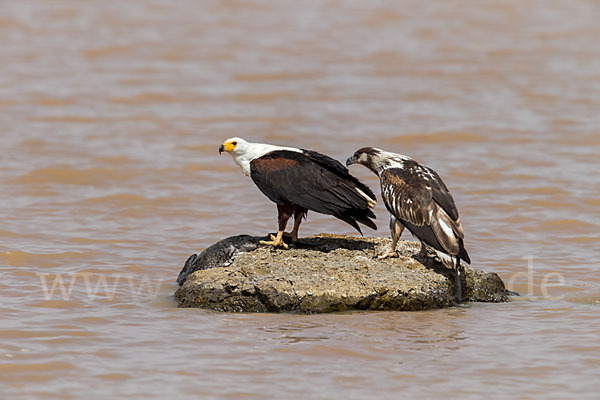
<point>417,199</point>
<point>299,180</point>
<point>244,152</point>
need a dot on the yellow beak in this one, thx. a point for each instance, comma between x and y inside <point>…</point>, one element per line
<point>226,147</point>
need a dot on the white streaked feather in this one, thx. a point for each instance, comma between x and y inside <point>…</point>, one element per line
<point>447,230</point>
<point>370,200</point>
<point>385,160</point>
<point>393,164</point>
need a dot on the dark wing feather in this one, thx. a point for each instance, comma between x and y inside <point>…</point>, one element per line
<point>441,194</point>
<point>339,169</point>
<point>326,161</point>
<point>292,177</point>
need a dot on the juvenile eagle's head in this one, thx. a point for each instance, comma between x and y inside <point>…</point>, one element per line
<point>370,157</point>
<point>376,159</point>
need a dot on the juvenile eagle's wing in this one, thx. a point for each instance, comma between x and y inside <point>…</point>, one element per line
<point>418,197</point>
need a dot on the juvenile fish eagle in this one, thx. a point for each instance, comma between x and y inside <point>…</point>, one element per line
<point>417,199</point>
<point>299,180</point>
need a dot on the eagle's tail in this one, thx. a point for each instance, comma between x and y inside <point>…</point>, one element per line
<point>364,216</point>
<point>462,252</point>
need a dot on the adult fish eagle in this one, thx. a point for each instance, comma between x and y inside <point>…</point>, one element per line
<point>299,180</point>
<point>417,199</point>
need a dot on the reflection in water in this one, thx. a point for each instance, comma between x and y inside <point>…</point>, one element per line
<point>111,118</point>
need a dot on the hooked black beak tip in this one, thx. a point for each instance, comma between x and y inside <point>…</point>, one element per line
<point>221,149</point>
<point>349,161</point>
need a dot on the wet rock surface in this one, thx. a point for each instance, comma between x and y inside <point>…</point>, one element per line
<point>324,273</point>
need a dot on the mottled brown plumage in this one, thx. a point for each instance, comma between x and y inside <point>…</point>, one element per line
<point>416,197</point>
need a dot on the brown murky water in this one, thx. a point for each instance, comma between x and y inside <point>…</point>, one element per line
<point>110,118</point>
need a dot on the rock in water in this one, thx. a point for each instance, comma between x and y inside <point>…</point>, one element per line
<point>324,273</point>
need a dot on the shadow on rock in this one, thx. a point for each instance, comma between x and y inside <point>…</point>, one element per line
<point>326,243</point>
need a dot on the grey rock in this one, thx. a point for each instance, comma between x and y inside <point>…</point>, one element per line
<point>324,273</point>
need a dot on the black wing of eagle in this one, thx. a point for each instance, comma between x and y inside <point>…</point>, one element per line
<point>316,182</point>
<point>417,196</point>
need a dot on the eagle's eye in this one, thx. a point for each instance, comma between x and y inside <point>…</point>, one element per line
<point>234,143</point>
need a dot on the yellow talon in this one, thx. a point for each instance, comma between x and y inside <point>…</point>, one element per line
<point>276,241</point>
